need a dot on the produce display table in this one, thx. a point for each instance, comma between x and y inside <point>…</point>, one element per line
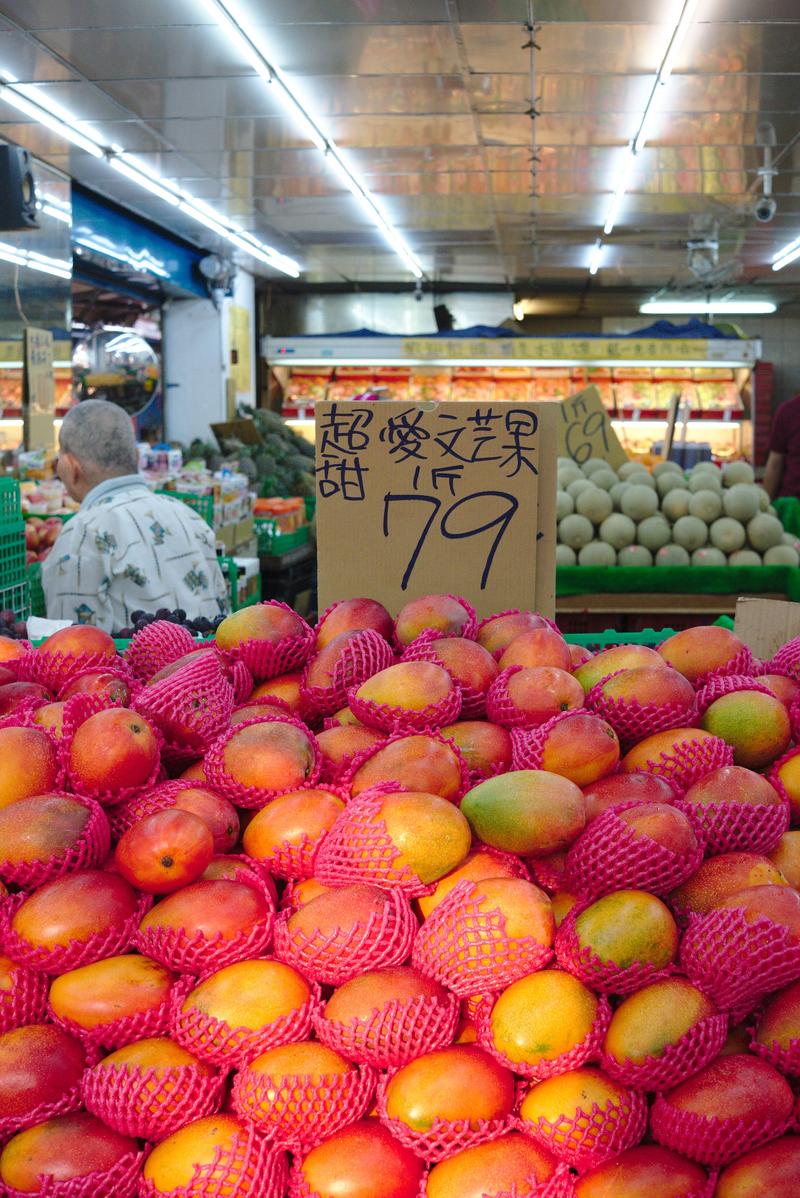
<point>693,589</point>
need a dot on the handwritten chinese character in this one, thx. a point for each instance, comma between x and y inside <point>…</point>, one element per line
<point>344,430</point>
<point>406,434</point>
<point>342,477</point>
<point>520,425</point>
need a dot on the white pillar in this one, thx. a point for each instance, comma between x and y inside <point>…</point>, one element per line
<point>239,337</point>
<point>194,369</point>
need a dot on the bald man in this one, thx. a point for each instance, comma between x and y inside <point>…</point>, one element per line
<point>127,549</point>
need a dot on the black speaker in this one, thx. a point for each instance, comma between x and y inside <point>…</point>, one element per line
<point>444,318</point>
<point>17,189</point>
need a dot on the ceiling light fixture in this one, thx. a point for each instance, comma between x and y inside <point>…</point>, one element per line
<point>35,104</point>
<point>639,139</point>
<point>723,307</point>
<point>283,90</point>
<point>31,260</point>
<point>789,253</point>
<point>596,255</point>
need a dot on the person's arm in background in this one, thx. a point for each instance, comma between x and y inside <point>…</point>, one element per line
<point>773,474</point>
<point>74,578</point>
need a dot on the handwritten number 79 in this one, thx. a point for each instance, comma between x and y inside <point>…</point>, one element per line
<point>449,523</point>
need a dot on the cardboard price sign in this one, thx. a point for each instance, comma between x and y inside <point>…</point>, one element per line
<point>584,430</point>
<point>38,391</point>
<point>455,497</point>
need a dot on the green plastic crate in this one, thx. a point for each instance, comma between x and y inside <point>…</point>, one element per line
<point>10,505</point>
<point>596,641</point>
<point>38,607</point>
<point>202,504</point>
<point>12,553</point>
<point>311,506</point>
<point>230,571</point>
<point>16,598</point>
<point>273,542</point>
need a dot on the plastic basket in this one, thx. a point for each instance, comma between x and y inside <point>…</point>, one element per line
<point>299,1111</point>
<point>272,542</point>
<point>16,598</point>
<point>202,504</point>
<point>12,553</point>
<point>38,605</point>
<point>464,945</point>
<point>10,504</point>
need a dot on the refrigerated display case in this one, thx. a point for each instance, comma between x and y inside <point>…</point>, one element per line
<point>637,377</point>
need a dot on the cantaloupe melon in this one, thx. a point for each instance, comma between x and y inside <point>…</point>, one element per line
<point>568,474</point>
<point>565,504</point>
<point>639,502</point>
<point>670,482</point>
<point>594,504</point>
<point>580,484</point>
<point>709,479</point>
<point>653,533</point>
<point>668,467</point>
<point>630,471</point>
<point>742,501</point>
<point>737,472</point>
<point>593,464</point>
<point>605,479</point>
<point>764,531</point>
<point>616,493</point>
<point>634,555</point>
<point>676,504</point>
<point>745,557</point>
<point>727,534</point>
<point>782,555</point>
<point>565,556</point>
<point>763,501</point>
<point>709,556</point>
<point>597,553</point>
<point>575,531</point>
<point>789,538</point>
<point>706,505</point>
<point>673,555</point>
<point>691,532</point>
<point>618,530</point>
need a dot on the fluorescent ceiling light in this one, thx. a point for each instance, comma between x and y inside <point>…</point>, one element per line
<point>224,13</point>
<point>34,103</point>
<point>585,363</point>
<point>732,307</point>
<point>59,267</point>
<point>29,100</point>
<point>789,253</point>
<point>596,255</point>
<point>639,139</point>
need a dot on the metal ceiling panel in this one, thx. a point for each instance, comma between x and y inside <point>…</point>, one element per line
<point>429,99</point>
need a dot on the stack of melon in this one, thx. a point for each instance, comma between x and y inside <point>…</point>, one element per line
<point>632,517</point>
